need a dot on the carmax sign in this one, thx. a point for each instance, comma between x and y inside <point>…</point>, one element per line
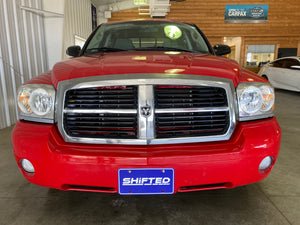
<point>246,13</point>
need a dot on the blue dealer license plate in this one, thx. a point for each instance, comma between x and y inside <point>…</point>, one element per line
<point>146,181</point>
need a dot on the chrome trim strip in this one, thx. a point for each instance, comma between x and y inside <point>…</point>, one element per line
<point>145,123</point>
<point>88,111</point>
<point>147,80</point>
<point>36,119</point>
<point>257,117</point>
<point>187,110</point>
<point>143,79</point>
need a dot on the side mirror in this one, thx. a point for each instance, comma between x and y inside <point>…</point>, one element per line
<point>222,49</point>
<point>73,50</point>
<point>295,67</point>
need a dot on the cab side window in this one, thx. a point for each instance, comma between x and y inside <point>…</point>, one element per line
<point>278,63</point>
<point>290,62</point>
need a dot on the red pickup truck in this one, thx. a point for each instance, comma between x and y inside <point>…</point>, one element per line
<point>146,107</point>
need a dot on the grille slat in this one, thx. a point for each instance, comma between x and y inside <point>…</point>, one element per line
<point>100,106</point>
<point>99,96</point>
<point>92,120</point>
<point>99,124</point>
<point>189,131</point>
<point>189,105</point>
<point>106,129</point>
<point>188,118</point>
<point>190,89</point>
<point>88,101</point>
<point>189,122</point>
<point>96,91</point>
<point>205,99</point>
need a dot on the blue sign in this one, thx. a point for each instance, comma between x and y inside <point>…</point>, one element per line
<point>246,13</point>
<point>146,181</point>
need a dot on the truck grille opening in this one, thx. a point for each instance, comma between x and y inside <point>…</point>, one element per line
<point>115,97</point>
<point>172,125</point>
<point>83,118</point>
<point>190,124</point>
<point>101,125</point>
<point>167,96</point>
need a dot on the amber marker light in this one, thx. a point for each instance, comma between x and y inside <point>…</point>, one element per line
<point>23,103</point>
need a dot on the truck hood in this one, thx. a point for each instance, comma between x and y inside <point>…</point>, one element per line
<point>143,62</point>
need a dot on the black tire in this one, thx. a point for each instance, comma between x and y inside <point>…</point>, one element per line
<point>265,76</point>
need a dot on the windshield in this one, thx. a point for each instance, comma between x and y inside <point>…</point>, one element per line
<point>147,36</point>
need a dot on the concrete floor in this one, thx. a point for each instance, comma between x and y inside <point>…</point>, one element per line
<point>274,201</point>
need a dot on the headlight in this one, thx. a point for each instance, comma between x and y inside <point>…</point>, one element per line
<point>36,102</point>
<point>255,100</point>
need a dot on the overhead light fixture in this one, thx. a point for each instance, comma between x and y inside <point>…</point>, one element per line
<point>140,2</point>
<point>157,8</point>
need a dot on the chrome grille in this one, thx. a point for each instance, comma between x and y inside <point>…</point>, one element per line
<point>125,109</point>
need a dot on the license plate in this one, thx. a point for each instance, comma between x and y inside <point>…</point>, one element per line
<point>146,181</point>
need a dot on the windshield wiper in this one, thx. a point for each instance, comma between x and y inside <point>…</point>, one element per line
<point>104,49</point>
<point>161,48</point>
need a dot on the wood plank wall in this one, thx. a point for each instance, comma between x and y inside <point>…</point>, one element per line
<point>282,28</point>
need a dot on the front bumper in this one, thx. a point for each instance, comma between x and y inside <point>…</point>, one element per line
<point>197,166</point>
